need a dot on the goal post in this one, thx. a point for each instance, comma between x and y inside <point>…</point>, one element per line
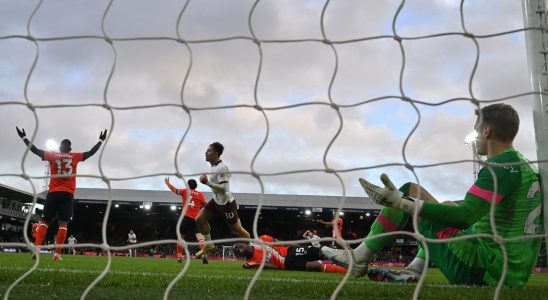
<point>534,16</point>
<point>228,253</point>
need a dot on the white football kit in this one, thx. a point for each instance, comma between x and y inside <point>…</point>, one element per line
<point>314,240</point>
<point>220,175</point>
<point>132,238</point>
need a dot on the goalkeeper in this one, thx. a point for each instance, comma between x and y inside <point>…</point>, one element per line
<point>507,181</point>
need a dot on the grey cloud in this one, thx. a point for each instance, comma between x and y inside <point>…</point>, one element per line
<point>150,72</point>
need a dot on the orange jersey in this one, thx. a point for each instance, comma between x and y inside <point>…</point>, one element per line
<point>273,257</point>
<point>337,233</point>
<point>35,229</point>
<point>63,164</point>
<point>197,199</point>
<point>281,249</point>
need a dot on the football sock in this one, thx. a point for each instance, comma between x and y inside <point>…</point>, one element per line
<point>179,250</point>
<point>201,243</point>
<point>390,219</point>
<point>61,235</point>
<point>207,237</point>
<point>362,254</point>
<point>41,233</point>
<point>420,253</point>
<point>328,268</point>
<point>417,265</point>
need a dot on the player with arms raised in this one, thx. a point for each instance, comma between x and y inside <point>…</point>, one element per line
<point>223,203</point>
<point>336,225</point>
<point>188,225</point>
<point>62,186</point>
<point>508,181</point>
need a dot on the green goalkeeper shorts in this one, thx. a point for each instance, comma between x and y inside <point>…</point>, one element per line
<point>462,262</point>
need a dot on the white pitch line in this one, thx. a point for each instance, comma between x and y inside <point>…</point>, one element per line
<point>156,274</point>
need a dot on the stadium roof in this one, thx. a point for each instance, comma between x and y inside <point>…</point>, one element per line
<point>17,195</point>
<point>90,195</point>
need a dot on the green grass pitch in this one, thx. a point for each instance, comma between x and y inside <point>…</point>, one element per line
<point>147,278</point>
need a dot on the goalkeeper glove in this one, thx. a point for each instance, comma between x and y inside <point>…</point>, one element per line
<point>389,196</point>
<point>21,132</point>
<point>103,135</point>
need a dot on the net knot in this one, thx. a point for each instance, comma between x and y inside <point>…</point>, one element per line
<point>256,41</point>
<point>108,40</point>
<point>409,166</point>
<point>106,106</point>
<point>327,42</point>
<point>25,176</point>
<point>179,175</point>
<point>397,38</point>
<point>334,106</point>
<point>406,99</point>
<point>498,239</point>
<point>186,108</point>
<point>30,106</point>
<point>475,102</point>
<point>258,107</point>
<point>468,35</point>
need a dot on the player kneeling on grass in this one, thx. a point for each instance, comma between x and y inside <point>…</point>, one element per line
<point>296,258</point>
<point>60,197</point>
<point>507,181</point>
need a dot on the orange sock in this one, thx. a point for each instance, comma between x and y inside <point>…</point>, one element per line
<point>179,251</point>
<point>41,233</point>
<point>328,268</point>
<point>61,235</point>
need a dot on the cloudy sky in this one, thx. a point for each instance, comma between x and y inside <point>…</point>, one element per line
<point>296,68</point>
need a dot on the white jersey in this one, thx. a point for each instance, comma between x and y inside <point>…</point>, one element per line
<point>72,240</point>
<point>132,238</point>
<point>221,174</point>
<point>314,240</point>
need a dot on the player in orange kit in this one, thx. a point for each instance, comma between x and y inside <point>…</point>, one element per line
<point>188,226</point>
<point>296,258</point>
<point>62,186</point>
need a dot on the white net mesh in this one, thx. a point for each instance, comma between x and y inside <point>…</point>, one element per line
<point>267,106</point>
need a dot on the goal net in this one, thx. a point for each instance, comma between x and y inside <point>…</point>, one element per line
<point>306,96</point>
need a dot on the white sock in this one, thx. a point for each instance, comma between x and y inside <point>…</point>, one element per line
<point>207,237</point>
<point>362,254</point>
<point>417,265</point>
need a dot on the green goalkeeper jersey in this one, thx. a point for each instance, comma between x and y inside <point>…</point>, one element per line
<point>515,190</point>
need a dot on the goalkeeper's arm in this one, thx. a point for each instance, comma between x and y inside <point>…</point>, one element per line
<point>461,216</point>
<point>92,151</point>
<point>23,135</point>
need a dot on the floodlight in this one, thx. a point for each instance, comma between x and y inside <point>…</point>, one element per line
<point>52,145</point>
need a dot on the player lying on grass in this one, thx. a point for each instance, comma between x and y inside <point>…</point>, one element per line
<point>507,181</point>
<point>60,197</point>
<point>296,258</point>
